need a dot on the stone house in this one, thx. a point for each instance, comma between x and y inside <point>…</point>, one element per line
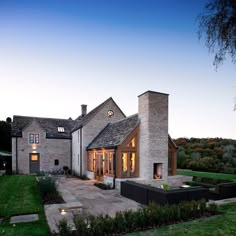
<point>103,144</point>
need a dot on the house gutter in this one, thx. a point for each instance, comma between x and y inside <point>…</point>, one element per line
<point>71,154</point>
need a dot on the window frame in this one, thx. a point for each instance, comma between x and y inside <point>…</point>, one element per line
<point>34,138</point>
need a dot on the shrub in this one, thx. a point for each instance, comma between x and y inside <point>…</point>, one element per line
<point>202,206</point>
<point>63,228</point>
<point>165,186</point>
<point>81,225</point>
<point>48,189</point>
<point>83,177</point>
<point>129,220</point>
<point>47,185</point>
<point>103,186</point>
<point>212,208</point>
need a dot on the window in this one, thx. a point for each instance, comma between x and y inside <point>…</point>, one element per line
<point>132,143</point>
<point>132,163</point>
<point>36,138</point>
<point>60,129</point>
<point>34,157</point>
<point>128,164</point>
<point>78,136</point>
<point>33,138</point>
<point>56,162</point>
<point>110,163</point>
<point>124,164</point>
<point>91,161</point>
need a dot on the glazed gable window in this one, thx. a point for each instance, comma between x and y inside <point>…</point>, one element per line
<point>33,138</point>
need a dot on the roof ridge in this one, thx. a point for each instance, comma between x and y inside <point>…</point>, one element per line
<point>85,119</point>
<point>37,117</point>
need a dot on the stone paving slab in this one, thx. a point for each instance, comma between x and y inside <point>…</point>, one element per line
<point>24,218</point>
<point>224,201</point>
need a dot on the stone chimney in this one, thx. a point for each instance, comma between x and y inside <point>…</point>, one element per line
<point>153,114</point>
<point>83,110</point>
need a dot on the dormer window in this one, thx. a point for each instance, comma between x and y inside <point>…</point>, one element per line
<point>60,129</point>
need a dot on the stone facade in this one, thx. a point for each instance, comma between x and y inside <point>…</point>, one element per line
<point>92,129</point>
<point>153,114</point>
<point>49,150</point>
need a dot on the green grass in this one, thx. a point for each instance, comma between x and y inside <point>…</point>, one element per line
<point>221,225</point>
<point>19,194</point>
<point>207,174</point>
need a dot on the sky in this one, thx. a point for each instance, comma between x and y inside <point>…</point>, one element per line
<point>58,54</point>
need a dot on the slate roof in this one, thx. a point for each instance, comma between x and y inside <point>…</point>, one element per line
<point>114,134</point>
<point>50,126</point>
<point>82,120</point>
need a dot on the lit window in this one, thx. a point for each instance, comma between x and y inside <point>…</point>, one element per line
<point>34,157</point>
<point>124,163</point>
<point>132,163</point>
<point>33,138</point>
<point>132,143</point>
<point>60,129</point>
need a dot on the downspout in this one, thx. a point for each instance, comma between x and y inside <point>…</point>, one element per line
<point>114,168</point>
<point>16,157</point>
<point>71,153</point>
<point>80,155</point>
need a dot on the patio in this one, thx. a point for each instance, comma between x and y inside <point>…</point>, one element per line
<point>86,199</point>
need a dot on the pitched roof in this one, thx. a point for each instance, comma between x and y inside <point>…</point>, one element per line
<point>50,125</point>
<point>82,120</point>
<point>114,134</point>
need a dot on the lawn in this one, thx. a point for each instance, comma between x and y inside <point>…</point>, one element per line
<point>207,174</point>
<point>19,195</point>
<point>221,225</point>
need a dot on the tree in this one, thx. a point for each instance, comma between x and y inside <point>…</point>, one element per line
<point>8,120</point>
<point>5,136</point>
<point>218,25</point>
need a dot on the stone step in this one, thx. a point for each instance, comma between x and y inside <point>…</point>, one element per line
<point>24,218</point>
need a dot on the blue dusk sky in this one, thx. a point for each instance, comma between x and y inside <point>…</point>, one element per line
<point>58,54</point>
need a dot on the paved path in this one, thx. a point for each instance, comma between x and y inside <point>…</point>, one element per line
<point>94,200</point>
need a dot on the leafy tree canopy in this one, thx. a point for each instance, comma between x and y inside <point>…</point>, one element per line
<point>217,24</point>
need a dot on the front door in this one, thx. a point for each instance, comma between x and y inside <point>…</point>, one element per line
<point>34,162</point>
<point>99,167</point>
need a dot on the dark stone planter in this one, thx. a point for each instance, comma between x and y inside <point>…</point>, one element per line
<point>145,194</point>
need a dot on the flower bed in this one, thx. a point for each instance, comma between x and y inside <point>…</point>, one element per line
<point>48,189</point>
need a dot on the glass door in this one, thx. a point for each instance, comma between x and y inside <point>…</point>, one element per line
<point>99,167</point>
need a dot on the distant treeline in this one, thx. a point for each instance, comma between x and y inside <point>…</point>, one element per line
<point>207,154</point>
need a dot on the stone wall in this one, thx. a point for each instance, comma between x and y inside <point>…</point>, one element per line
<point>94,126</point>
<point>153,114</point>
<point>49,150</point>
